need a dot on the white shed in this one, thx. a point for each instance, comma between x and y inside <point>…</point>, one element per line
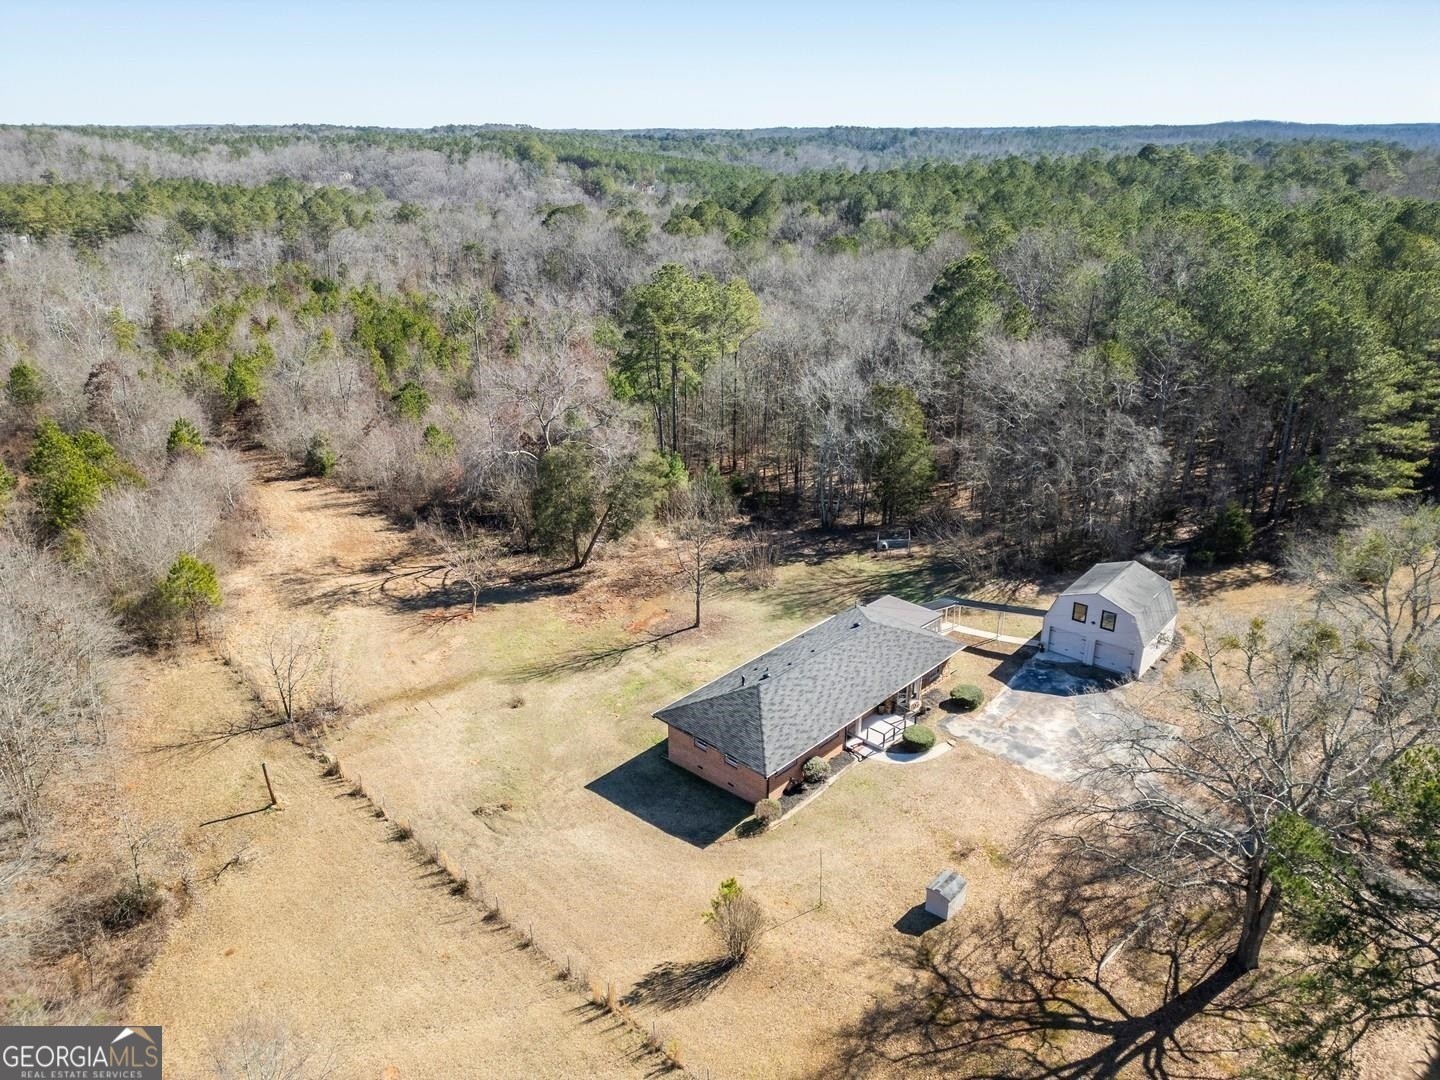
<point>1119,616</point>
<point>945,895</point>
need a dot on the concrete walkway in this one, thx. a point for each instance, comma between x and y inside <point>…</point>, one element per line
<point>987,635</point>
<point>899,757</point>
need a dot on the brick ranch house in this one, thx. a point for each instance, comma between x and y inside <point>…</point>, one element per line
<point>751,730</point>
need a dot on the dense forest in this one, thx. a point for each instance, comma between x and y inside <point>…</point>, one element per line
<point>1066,355</point>
<point>1044,346</point>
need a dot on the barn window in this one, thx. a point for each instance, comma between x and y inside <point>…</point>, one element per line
<point>731,762</point>
<point>1080,612</point>
<point>1107,620</point>
<point>701,744</point>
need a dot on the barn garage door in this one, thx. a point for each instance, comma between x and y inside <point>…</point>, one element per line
<point>1066,643</point>
<point>1114,658</point>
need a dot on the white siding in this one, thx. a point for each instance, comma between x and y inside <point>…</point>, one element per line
<point>1155,648</point>
<point>1125,636</point>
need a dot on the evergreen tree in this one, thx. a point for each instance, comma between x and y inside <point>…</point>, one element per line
<point>184,438</point>
<point>902,466</point>
<point>675,325</point>
<point>189,589</point>
<point>70,472</point>
<point>576,502</point>
<point>22,386</point>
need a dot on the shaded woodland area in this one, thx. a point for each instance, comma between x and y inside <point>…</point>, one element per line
<point>1049,348</point>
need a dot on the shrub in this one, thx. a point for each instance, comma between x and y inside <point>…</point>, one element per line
<point>736,919</point>
<point>767,811</point>
<point>8,484</point>
<point>918,739</point>
<point>816,771</point>
<point>411,401</point>
<point>184,438</point>
<point>320,460</point>
<point>438,440</point>
<point>130,905</point>
<point>967,697</point>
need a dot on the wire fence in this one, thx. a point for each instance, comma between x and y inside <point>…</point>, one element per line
<point>564,962</point>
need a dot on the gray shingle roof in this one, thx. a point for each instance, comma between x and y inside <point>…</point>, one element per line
<point>768,711</point>
<point>893,610</point>
<point>1133,588</point>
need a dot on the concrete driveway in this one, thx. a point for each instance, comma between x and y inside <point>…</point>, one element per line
<point>1046,717</point>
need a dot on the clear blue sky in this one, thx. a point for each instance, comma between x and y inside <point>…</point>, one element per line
<point>735,64</point>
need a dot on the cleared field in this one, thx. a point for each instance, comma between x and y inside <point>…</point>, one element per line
<point>520,740</point>
<point>326,926</point>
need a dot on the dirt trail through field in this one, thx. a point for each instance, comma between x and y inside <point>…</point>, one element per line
<point>321,923</point>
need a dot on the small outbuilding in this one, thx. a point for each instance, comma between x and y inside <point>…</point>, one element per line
<point>1119,616</point>
<point>945,895</point>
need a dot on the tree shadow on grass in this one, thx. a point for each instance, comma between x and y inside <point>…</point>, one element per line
<point>673,985</point>
<point>670,798</point>
<point>916,580</point>
<point>1040,992</point>
<point>590,657</point>
<point>414,585</point>
<point>1006,663</point>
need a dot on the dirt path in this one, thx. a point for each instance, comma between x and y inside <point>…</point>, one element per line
<point>326,926</point>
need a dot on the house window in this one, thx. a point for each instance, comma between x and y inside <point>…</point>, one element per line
<point>731,762</point>
<point>1107,620</point>
<point>1079,612</point>
<point>701,744</point>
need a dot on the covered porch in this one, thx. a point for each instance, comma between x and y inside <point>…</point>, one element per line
<point>877,733</point>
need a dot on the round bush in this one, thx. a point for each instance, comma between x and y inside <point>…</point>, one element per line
<point>966,697</point>
<point>767,811</point>
<point>918,739</point>
<point>320,460</point>
<point>816,771</point>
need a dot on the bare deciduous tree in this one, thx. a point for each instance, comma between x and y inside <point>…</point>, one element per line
<point>1288,728</point>
<point>468,554</point>
<point>267,1048</point>
<point>55,647</point>
<point>697,530</point>
<point>292,658</point>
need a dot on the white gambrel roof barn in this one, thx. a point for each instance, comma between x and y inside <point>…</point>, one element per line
<point>1119,616</point>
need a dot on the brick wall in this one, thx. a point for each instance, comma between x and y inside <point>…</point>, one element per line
<point>748,784</point>
<point>827,749</point>
<point>711,764</point>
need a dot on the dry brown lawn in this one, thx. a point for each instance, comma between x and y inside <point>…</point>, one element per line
<point>521,741</point>
<point>327,925</point>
